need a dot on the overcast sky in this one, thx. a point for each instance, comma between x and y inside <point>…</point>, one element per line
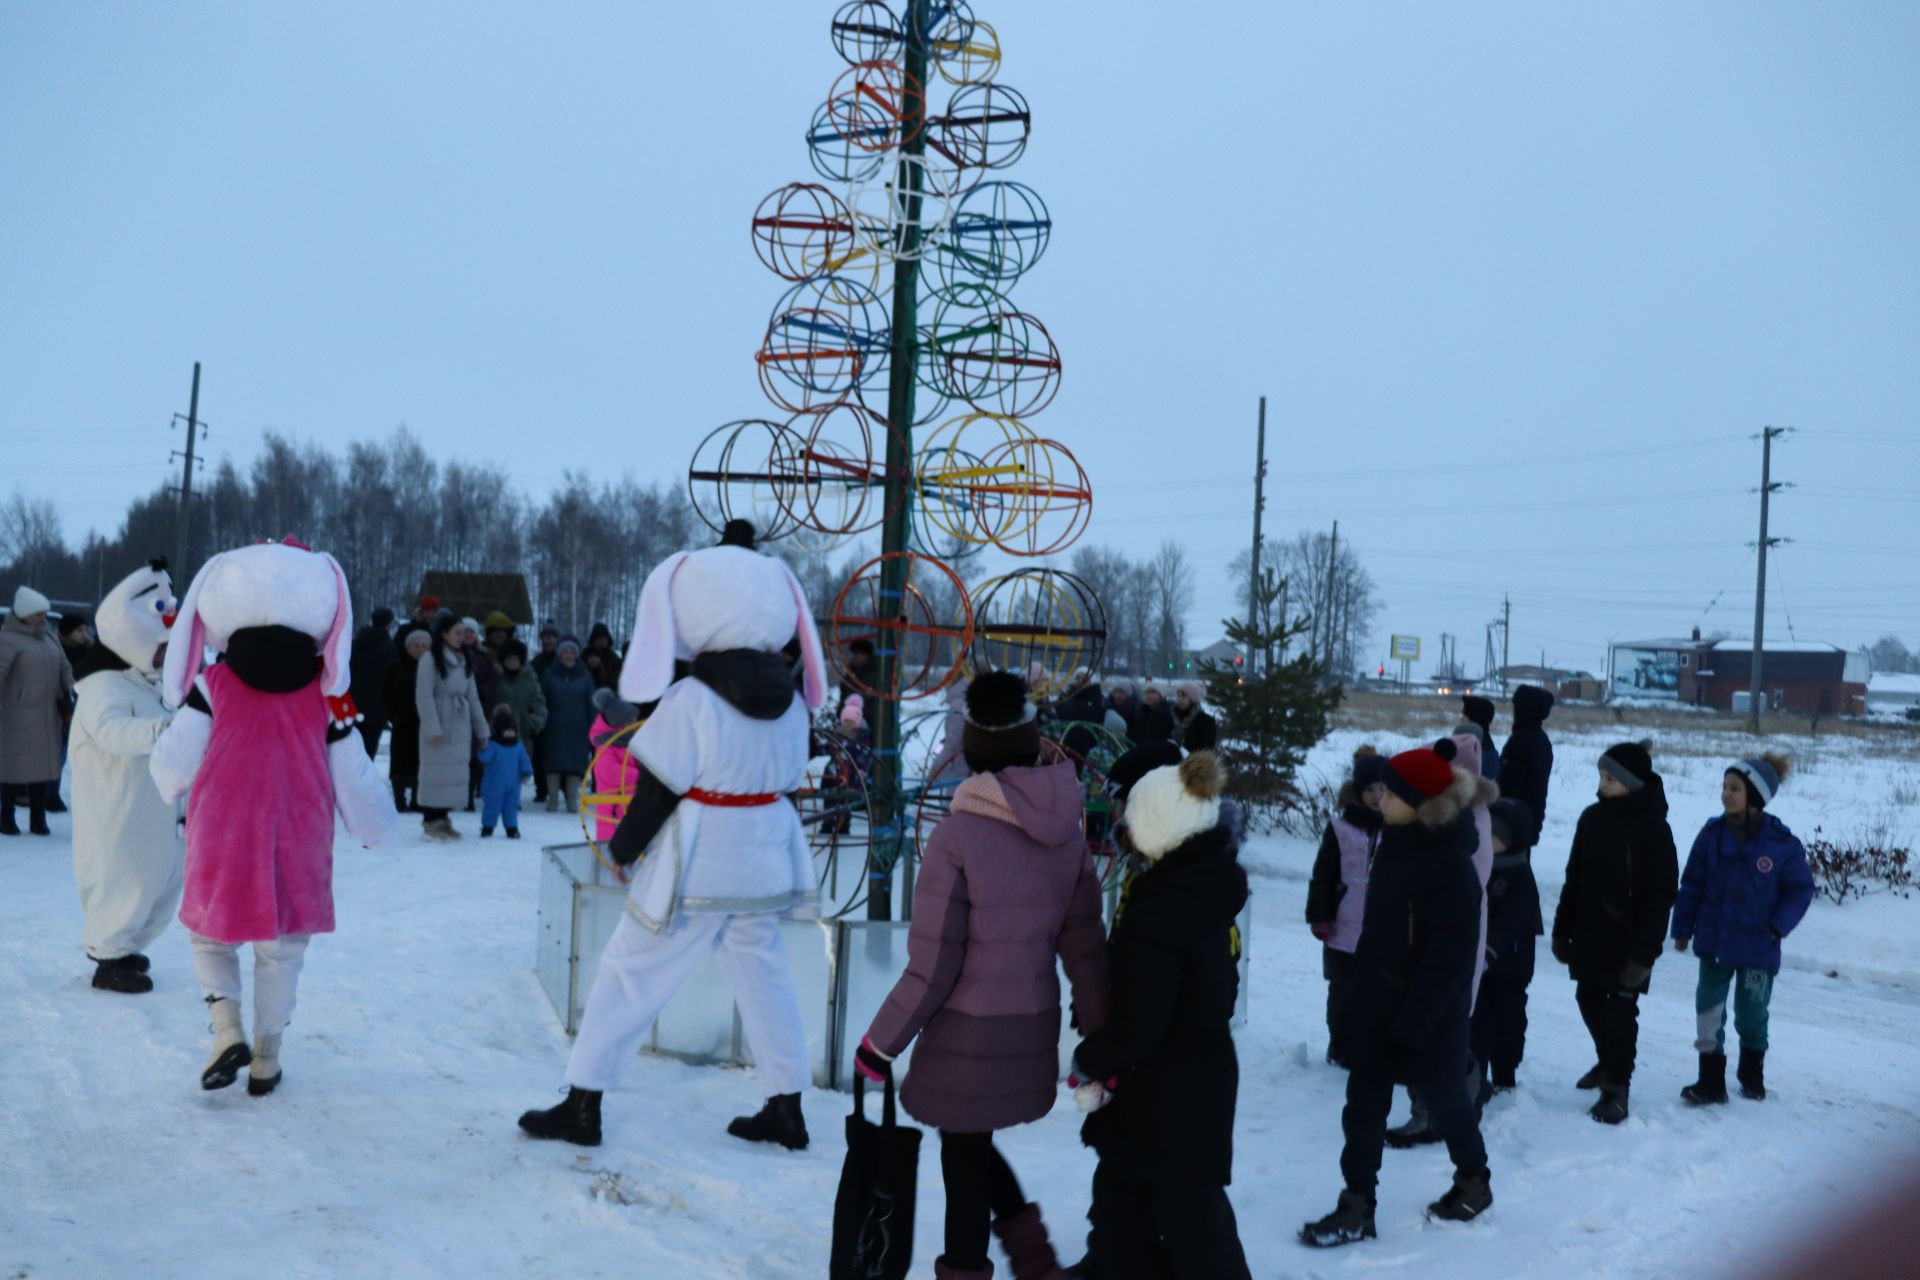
<point>1519,281</point>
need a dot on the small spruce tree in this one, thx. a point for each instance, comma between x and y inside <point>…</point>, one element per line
<point>1273,711</point>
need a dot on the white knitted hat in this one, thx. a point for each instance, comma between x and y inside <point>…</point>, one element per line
<point>27,602</point>
<point>1174,803</point>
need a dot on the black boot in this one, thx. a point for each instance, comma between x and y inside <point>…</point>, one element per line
<point>37,810</point>
<point>1595,1077</point>
<point>136,962</point>
<point>1711,1087</point>
<point>577,1120</point>
<point>9,826</point>
<point>779,1121</point>
<point>1503,1079</point>
<point>1752,1074</point>
<point>1612,1107</point>
<point>1470,1196</point>
<point>513,833</point>
<point>1350,1221</point>
<point>1416,1132</point>
<point>54,803</point>
<point>120,975</point>
<point>399,797</point>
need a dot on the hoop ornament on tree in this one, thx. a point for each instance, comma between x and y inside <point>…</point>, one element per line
<point>802,230</point>
<point>998,233</point>
<point>929,650</point>
<point>741,471</point>
<point>1003,362</point>
<point>876,106</point>
<point>985,126</point>
<point>834,482</point>
<point>970,59</point>
<point>866,31</point>
<point>1039,616</point>
<point>959,493</point>
<point>836,159</point>
<point>1047,486</point>
<point>827,338</point>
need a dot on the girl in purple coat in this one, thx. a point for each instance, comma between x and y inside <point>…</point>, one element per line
<point>1006,885</point>
<point>1337,891</point>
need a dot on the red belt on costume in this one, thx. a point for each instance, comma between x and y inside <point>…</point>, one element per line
<point>722,800</point>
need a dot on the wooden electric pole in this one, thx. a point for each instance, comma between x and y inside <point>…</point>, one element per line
<point>1259,505</point>
<point>184,521</point>
<point>1767,486</point>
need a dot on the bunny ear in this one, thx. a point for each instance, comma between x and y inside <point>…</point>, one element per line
<point>334,650</point>
<point>186,647</point>
<point>812,660</point>
<point>649,666</point>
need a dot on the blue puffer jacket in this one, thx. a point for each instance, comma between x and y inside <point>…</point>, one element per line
<point>1738,898</point>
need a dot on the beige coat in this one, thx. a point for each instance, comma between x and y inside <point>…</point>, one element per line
<point>450,709</point>
<point>36,681</point>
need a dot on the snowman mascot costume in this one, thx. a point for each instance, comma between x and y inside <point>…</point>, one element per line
<point>725,856</point>
<point>126,838</point>
<point>265,742</point>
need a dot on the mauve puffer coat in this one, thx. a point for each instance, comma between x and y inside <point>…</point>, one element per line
<point>36,680</point>
<point>1006,885</point>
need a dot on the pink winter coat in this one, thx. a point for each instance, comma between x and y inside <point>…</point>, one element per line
<point>260,816</point>
<point>614,772</point>
<point>1006,885</point>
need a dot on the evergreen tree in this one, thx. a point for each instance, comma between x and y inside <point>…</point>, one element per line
<point>1273,710</point>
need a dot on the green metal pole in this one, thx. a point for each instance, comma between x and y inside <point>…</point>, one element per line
<point>888,815</point>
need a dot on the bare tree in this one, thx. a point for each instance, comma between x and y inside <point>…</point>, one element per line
<point>1334,591</point>
<point>1170,574</point>
<point>1890,654</point>
<point>30,536</point>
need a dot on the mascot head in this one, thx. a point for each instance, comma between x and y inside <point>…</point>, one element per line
<point>721,598</point>
<point>271,584</point>
<point>134,619</point>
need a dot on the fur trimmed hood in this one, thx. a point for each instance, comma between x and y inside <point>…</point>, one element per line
<point>1469,791</point>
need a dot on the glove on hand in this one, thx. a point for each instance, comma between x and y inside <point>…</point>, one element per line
<point>1635,975</point>
<point>871,1063</point>
<point>1323,930</point>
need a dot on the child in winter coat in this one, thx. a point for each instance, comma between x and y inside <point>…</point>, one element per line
<point>1479,714</point>
<point>1526,762</point>
<point>1612,917</point>
<point>614,772</point>
<point>1746,886</point>
<point>1513,922</point>
<point>1337,891</point>
<point>503,763</point>
<point>1006,886</point>
<point>265,741</point>
<point>1413,985</point>
<point>126,845</point>
<point>1165,1137</point>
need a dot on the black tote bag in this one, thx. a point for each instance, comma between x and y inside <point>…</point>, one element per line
<point>873,1212</point>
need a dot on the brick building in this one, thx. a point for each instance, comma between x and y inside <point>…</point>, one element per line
<point>1814,679</point>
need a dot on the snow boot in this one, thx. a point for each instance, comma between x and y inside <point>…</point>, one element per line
<point>9,825</point>
<point>943,1270</point>
<point>230,1052</point>
<point>779,1121</point>
<point>1470,1196</point>
<point>486,833</point>
<point>263,1077</point>
<point>37,811</point>
<point>440,831</point>
<point>136,962</point>
<point>1350,1221</point>
<point>1503,1079</point>
<point>1612,1107</point>
<point>120,975</point>
<point>1030,1253</point>
<point>1752,1074</point>
<point>577,1120</point>
<point>1595,1077</point>
<point>513,833</point>
<point>54,803</point>
<point>1711,1088</point>
<point>1416,1132</point>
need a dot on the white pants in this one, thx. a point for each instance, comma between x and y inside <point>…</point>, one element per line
<point>640,970</point>
<point>276,976</point>
<point>128,900</point>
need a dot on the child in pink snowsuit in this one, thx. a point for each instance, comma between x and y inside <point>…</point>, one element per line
<point>614,772</point>
<point>265,749</point>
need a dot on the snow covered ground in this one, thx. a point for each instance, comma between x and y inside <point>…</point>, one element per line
<point>391,1148</point>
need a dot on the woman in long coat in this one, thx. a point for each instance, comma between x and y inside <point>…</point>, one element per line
<point>452,724</point>
<point>36,684</point>
<point>565,746</point>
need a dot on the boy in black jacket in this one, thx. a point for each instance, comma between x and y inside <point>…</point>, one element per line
<point>1513,922</point>
<point>1526,762</point>
<point>1622,877</point>
<point>1413,986</point>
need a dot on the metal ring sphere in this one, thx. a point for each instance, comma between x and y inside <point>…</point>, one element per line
<point>1004,363</point>
<point>802,230</point>
<point>876,106</point>
<point>739,472</point>
<point>866,31</point>
<point>985,126</point>
<point>998,233</point>
<point>959,494</point>
<point>837,473</point>
<point>1053,496</point>
<point>1042,616</point>
<point>972,60</point>
<point>928,653</point>
<point>832,156</point>
<point>827,337</point>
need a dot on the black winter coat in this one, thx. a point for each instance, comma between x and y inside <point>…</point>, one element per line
<point>1526,762</point>
<point>1153,723</point>
<point>367,664</point>
<point>1419,938</point>
<point>1174,956</point>
<point>1622,878</point>
<point>403,762</point>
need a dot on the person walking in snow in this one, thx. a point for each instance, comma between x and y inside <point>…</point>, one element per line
<point>452,727</point>
<point>1337,888</point>
<point>1746,887</point>
<point>397,697</point>
<point>1526,762</point>
<point>503,763</point>
<point>374,653</point>
<point>565,744</point>
<point>265,742</point>
<point>1165,1136</point>
<point>36,687</point>
<point>1006,885</point>
<point>1513,922</point>
<point>1611,924</point>
<point>725,857</point>
<point>127,850</point>
<point>1413,988</point>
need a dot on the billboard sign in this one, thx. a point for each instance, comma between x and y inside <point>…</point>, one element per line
<point>1405,649</point>
<point>1646,673</point>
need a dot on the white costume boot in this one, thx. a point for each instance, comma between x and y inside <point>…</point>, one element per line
<point>230,1052</point>
<point>264,1074</point>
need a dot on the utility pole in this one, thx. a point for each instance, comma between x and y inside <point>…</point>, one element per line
<point>1326,608</point>
<point>1259,505</point>
<point>185,519</point>
<point>1506,638</point>
<point>1767,486</point>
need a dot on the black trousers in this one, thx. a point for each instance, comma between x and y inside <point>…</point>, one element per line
<point>980,1187</point>
<point>1500,1017</point>
<point>1163,1229</point>
<point>370,731</point>
<point>539,769</point>
<point>1613,1020</point>
<point>1441,1080</point>
<point>34,794</point>
<point>1337,967</point>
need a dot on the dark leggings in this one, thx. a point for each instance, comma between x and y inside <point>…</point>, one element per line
<point>980,1188</point>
